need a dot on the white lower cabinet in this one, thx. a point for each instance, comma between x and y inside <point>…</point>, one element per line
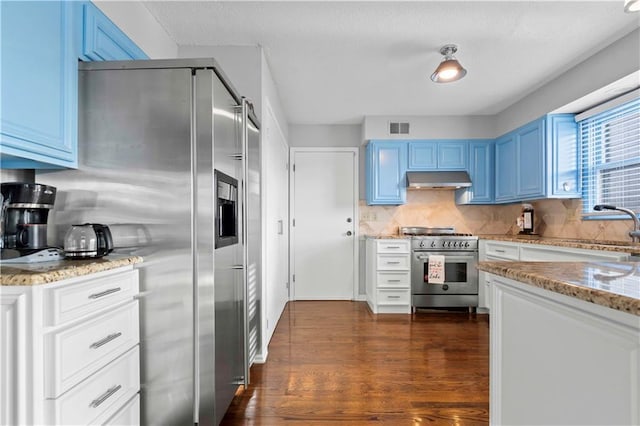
<point>388,276</point>
<point>506,251</point>
<point>557,360</point>
<point>70,351</point>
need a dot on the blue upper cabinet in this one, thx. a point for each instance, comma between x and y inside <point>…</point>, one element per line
<point>102,40</point>
<point>506,171</point>
<point>423,155</point>
<point>481,171</point>
<point>41,43</point>
<point>386,166</point>
<point>530,160</point>
<point>437,155</point>
<point>538,160</point>
<point>563,156</point>
<point>39,85</point>
<point>452,155</point>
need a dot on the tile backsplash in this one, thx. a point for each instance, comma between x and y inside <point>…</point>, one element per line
<point>553,218</point>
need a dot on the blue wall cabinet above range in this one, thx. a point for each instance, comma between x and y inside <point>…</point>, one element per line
<point>437,155</point>
<point>39,85</point>
<point>538,160</point>
<point>386,166</point>
<point>41,43</point>
<point>481,171</point>
<point>102,40</point>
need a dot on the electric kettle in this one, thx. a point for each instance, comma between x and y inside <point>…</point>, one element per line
<point>87,241</point>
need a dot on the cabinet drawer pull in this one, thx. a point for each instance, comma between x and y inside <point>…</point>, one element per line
<point>102,398</point>
<point>104,293</point>
<point>393,263</point>
<point>393,247</point>
<point>393,297</point>
<point>106,340</point>
<point>499,251</point>
<point>393,281</point>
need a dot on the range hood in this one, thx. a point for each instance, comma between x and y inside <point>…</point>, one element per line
<point>437,180</point>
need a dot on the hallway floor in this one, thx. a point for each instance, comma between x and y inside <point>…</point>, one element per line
<point>337,363</point>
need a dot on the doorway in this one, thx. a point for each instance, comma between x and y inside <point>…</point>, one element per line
<point>324,231</point>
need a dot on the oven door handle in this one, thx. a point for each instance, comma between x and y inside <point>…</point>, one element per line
<point>449,257</point>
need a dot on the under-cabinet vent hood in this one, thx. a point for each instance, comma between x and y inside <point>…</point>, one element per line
<point>437,180</point>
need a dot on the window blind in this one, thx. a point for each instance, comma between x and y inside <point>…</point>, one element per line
<point>610,148</point>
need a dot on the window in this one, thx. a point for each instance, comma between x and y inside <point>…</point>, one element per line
<point>610,142</point>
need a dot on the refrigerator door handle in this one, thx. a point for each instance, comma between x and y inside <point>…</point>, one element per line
<point>237,267</point>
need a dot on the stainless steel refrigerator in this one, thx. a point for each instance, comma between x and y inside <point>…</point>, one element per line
<point>161,145</point>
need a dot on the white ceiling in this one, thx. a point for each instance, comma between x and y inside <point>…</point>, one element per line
<point>335,62</point>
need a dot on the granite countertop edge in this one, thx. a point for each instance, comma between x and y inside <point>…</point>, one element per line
<point>616,246</point>
<point>50,272</point>
<point>517,272</point>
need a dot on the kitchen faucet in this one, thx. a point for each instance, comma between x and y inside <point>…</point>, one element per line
<point>635,234</point>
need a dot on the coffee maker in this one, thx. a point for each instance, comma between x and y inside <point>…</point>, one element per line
<point>23,225</point>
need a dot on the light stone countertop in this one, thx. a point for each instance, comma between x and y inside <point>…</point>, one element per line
<point>614,285</point>
<point>28,274</point>
<point>617,246</point>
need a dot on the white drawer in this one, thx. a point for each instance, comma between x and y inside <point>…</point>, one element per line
<point>72,301</point>
<point>74,353</point>
<point>129,415</point>
<point>393,246</point>
<point>101,396</point>
<point>502,250</point>
<point>389,261</point>
<point>393,297</point>
<point>393,279</point>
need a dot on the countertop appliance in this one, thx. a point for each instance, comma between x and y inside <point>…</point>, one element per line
<point>460,252</point>
<point>152,134</point>
<point>90,240</point>
<point>24,211</point>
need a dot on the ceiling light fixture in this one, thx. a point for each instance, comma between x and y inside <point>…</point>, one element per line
<point>631,6</point>
<point>449,69</point>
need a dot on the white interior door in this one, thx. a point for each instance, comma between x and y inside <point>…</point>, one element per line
<point>276,202</point>
<point>323,233</point>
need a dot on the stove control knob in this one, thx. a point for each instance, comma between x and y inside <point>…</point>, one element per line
<point>445,287</point>
<point>433,244</point>
<point>455,244</point>
<point>466,244</point>
<point>421,244</point>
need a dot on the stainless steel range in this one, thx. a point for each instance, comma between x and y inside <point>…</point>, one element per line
<point>460,251</point>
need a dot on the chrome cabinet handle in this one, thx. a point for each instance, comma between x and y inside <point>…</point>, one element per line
<point>393,297</point>
<point>102,398</point>
<point>393,247</point>
<point>393,263</point>
<point>106,340</point>
<point>499,251</point>
<point>349,233</point>
<point>393,281</point>
<point>239,267</point>
<point>104,293</point>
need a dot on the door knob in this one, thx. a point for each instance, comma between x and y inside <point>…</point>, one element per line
<point>349,233</point>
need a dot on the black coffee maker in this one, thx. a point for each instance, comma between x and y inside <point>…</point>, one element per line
<point>23,225</point>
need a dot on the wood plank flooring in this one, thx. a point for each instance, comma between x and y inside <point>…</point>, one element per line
<point>337,363</point>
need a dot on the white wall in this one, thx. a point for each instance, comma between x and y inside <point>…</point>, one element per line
<point>141,27</point>
<point>270,95</point>
<point>432,127</point>
<point>329,135</point>
<point>610,64</point>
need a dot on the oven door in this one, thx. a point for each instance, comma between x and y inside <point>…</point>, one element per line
<point>460,273</point>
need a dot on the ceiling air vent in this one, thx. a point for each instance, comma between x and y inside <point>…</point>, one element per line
<point>397,128</point>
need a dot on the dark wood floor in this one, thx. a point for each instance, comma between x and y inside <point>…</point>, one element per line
<point>337,363</point>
